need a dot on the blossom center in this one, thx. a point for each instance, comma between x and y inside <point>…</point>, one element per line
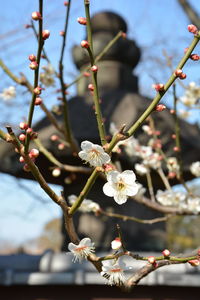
<point>79,249</point>
<point>120,185</point>
<point>116,270</point>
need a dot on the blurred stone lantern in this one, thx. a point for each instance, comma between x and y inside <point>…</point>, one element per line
<point>121,104</point>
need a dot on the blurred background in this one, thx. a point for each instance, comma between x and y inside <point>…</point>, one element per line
<point>28,219</point>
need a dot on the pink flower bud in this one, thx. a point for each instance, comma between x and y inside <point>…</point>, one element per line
<point>37,90</point>
<point>66,3</point>
<point>192,28</point>
<point>172,111</point>
<point>166,253</point>
<point>29,130</point>
<point>116,243</point>
<point>23,125</point>
<point>160,107</point>
<point>176,149</point>
<point>33,65</point>
<point>171,175</point>
<point>182,76</point>
<point>91,87</point>
<point>38,101</point>
<point>159,87</point>
<point>22,137</point>
<point>85,44</point>
<point>82,20</point>
<point>26,168</point>
<point>94,69</point>
<point>61,146</point>
<point>151,259</point>
<point>21,159</point>
<point>194,57</point>
<point>62,33</point>
<point>34,153</point>
<point>123,35</point>
<point>178,72</point>
<point>54,137</point>
<point>45,34</point>
<point>36,16</point>
<point>194,262</point>
<point>86,74</point>
<point>32,57</point>
<point>173,136</point>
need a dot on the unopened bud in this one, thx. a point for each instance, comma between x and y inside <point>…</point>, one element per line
<point>86,74</point>
<point>166,253</point>
<point>159,87</point>
<point>37,90</point>
<point>194,262</point>
<point>22,137</point>
<point>45,34</point>
<point>54,137</point>
<point>91,87</point>
<point>34,153</point>
<point>94,69</point>
<point>176,149</point>
<point>194,57</point>
<point>29,130</point>
<point>182,76</point>
<point>33,65</point>
<point>85,44</point>
<point>82,20</point>
<point>151,259</point>
<point>160,107</point>
<point>116,244</point>
<point>26,168</point>
<point>36,16</point>
<point>192,28</point>
<point>62,33</point>
<point>32,57</point>
<point>178,72</point>
<point>38,101</point>
<point>56,172</point>
<point>21,159</point>
<point>61,146</point>
<point>23,125</point>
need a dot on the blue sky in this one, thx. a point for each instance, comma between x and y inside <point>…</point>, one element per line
<point>155,25</point>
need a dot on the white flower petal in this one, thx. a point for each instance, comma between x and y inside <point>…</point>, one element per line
<point>108,189</point>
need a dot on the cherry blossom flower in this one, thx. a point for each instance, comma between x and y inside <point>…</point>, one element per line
<point>86,205</point>
<point>93,154</point>
<point>170,198</point>
<point>195,168</point>
<point>192,204</point>
<point>113,271</point>
<point>47,77</point>
<point>120,185</point>
<point>172,165</point>
<point>8,93</point>
<point>141,169</point>
<point>192,95</point>
<point>82,250</point>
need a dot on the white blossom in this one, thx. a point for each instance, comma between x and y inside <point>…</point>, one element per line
<point>195,168</point>
<point>47,77</point>
<point>113,271</point>
<point>82,250</point>
<point>86,206</point>
<point>141,169</point>
<point>93,154</point>
<point>170,198</point>
<point>192,95</point>
<point>192,204</point>
<point>8,93</point>
<point>141,190</point>
<point>172,165</point>
<point>120,185</point>
<point>184,114</point>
